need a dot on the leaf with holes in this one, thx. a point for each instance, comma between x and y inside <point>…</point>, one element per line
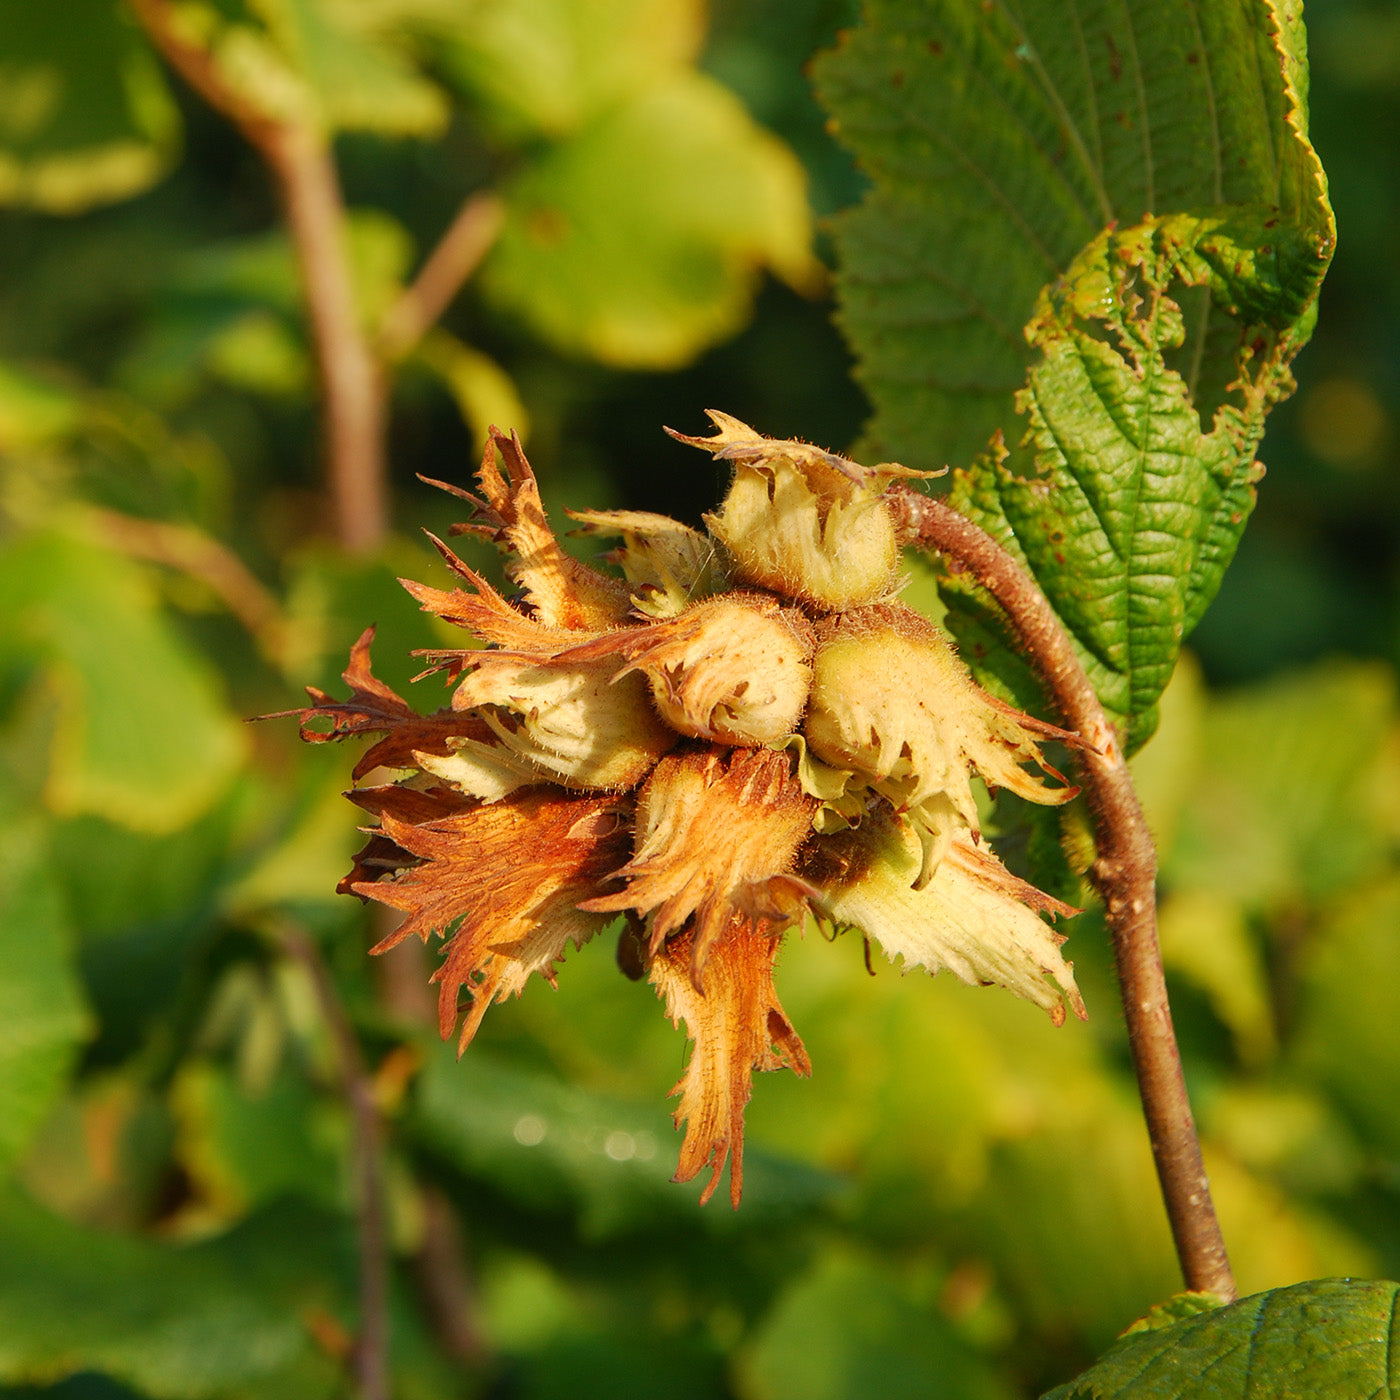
<point>1138,192</point>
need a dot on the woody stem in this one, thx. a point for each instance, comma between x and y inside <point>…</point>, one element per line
<point>298,154</point>
<point>1124,873</point>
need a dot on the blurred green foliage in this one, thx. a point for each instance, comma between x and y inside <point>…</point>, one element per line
<point>961,1201</point>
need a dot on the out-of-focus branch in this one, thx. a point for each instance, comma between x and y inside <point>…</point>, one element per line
<point>352,389</point>
<point>191,551</point>
<point>298,153</point>
<point>458,254</point>
<point>445,1283</point>
<point>1125,874</point>
<point>439,1265</point>
<point>372,1346</point>
<point>197,67</point>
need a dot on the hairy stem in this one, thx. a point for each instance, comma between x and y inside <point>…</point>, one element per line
<point>298,153</point>
<point>366,1129</point>
<point>1125,874</point>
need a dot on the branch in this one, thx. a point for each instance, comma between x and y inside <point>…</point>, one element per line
<point>458,254</point>
<point>1125,874</point>
<point>352,391</point>
<point>447,1288</point>
<point>192,552</point>
<point>352,394</point>
<point>372,1349</point>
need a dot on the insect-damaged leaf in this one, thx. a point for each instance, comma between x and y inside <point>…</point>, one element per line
<point>1140,194</point>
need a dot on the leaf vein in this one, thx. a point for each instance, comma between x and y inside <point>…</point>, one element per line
<point>1149,169</point>
<point>1067,122</point>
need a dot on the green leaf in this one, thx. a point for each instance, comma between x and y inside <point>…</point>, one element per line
<point>310,841</point>
<point>85,116</point>
<point>332,65</point>
<point>1178,1308</point>
<point>849,1331</point>
<point>1206,940</point>
<point>1124,507</point>
<point>43,1019</point>
<point>1140,194</point>
<point>1348,1036</point>
<point>1001,141</point>
<point>142,907</point>
<point>142,736</point>
<point>547,67</point>
<point>1330,1337</point>
<point>219,1321</point>
<point>244,1147</point>
<point>33,411</point>
<point>563,1338</point>
<point>331,597</point>
<point>639,240</point>
<point>607,1161</point>
<point>1283,806</point>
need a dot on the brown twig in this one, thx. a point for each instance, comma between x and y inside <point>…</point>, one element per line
<point>447,1288</point>
<point>458,254</point>
<point>372,1348</point>
<point>297,151</point>
<point>1124,872</point>
<point>192,552</point>
<point>352,390</point>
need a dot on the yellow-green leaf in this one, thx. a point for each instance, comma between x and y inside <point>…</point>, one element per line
<point>639,241</point>
<point>142,735</point>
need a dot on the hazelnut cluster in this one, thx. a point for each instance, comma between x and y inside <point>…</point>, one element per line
<point>728,733</point>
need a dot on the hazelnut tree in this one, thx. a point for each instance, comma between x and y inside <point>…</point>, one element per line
<point>900,698</point>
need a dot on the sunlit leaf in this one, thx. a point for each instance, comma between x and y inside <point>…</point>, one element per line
<point>234,312</point>
<point>1178,1308</point>
<point>485,394</point>
<point>85,115</point>
<point>331,597</point>
<point>142,736</point>
<point>34,411</point>
<point>545,67</point>
<point>848,1330</point>
<point>560,1337</point>
<point>639,240</point>
<point>1206,940</point>
<point>308,847</point>
<point>1287,1134</point>
<point>1283,805</point>
<point>245,1146</point>
<point>327,64</point>
<point>364,78</point>
<point>1348,1036</point>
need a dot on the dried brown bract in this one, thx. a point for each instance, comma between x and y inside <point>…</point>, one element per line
<point>742,730</point>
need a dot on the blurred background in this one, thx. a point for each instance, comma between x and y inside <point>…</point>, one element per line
<point>960,1202</point>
